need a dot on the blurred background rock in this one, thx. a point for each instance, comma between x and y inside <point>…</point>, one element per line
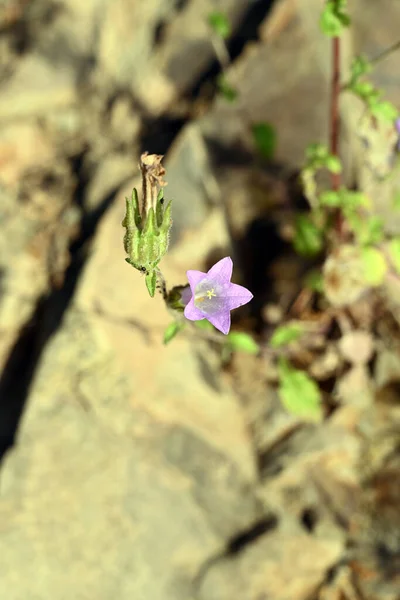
<point>131,469</point>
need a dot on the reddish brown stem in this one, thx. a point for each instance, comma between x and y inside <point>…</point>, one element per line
<point>335,127</point>
<point>334,113</point>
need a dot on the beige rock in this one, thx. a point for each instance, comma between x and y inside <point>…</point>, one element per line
<point>23,147</point>
<point>357,347</point>
<point>136,467</point>
<point>278,566</point>
<point>36,88</point>
<point>276,80</point>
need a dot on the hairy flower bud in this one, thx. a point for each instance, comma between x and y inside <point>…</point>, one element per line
<point>147,221</point>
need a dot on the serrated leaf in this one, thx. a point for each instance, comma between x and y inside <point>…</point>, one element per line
<point>242,342</point>
<point>226,89</point>
<point>394,252</point>
<point>308,240</point>
<point>171,331</point>
<point>151,282</point>
<point>264,137</point>
<point>285,334</point>
<point>375,266</point>
<point>219,23</point>
<point>299,394</point>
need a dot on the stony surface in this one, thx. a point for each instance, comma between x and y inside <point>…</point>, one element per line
<point>146,471</point>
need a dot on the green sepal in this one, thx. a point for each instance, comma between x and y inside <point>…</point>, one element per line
<point>151,282</point>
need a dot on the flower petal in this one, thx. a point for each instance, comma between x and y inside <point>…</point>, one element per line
<point>186,295</point>
<point>237,295</point>
<point>192,313</point>
<point>194,278</point>
<point>222,270</point>
<point>221,321</point>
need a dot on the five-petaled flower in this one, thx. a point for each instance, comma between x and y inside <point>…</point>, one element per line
<point>213,296</point>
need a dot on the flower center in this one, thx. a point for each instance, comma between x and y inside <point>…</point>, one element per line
<point>211,293</point>
<point>206,296</point>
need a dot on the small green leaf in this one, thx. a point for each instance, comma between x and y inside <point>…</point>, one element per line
<point>394,252</point>
<point>334,18</point>
<point>308,240</point>
<point>242,342</point>
<point>384,110</point>
<point>285,334</point>
<point>314,281</point>
<point>225,89</point>
<point>370,231</point>
<point>151,282</point>
<point>359,67</point>
<point>219,24</point>
<point>264,136</point>
<point>171,331</point>
<point>330,198</point>
<point>375,266</point>
<point>333,164</point>
<point>352,199</point>
<point>365,90</point>
<point>299,393</point>
<point>316,152</point>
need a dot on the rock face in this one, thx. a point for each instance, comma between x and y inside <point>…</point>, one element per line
<point>144,471</point>
<point>151,446</point>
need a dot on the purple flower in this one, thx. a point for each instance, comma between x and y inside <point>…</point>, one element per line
<point>213,296</point>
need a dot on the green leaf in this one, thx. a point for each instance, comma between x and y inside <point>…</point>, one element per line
<point>334,18</point>
<point>365,90</point>
<point>225,89</point>
<point>264,136</point>
<point>242,342</point>
<point>331,199</point>
<point>171,331</point>
<point>359,67</point>
<point>299,393</point>
<point>316,152</point>
<point>219,24</point>
<point>384,110</point>
<point>375,266</point>
<point>308,240</point>
<point>394,253</point>
<point>333,164</point>
<point>352,199</point>
<point>370,231</point>
<point>151,282</point>
<point>285,334</point>
<point>314,281</point>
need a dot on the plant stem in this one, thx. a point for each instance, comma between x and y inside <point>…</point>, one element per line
<point>334,109</point>
<point>335,128</point>
<point>385,53</point>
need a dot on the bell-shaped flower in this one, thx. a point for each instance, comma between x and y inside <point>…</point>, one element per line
<point>213,296</point>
